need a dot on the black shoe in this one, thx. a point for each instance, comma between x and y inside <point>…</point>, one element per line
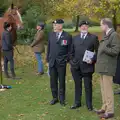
<point>90,108</point>
<point>14,76</point>
<point>62,103</point>
<point>117,92</point>
<point>75,106</point>
<point>53,102</point>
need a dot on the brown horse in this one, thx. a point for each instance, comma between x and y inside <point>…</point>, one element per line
<point>13,17</point>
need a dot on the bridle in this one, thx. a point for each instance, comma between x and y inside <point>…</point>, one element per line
<point>14,16</point>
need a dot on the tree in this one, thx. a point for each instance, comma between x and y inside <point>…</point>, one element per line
<point>72,8</point>
<point>106,8</point>
<point>3,7</point>
<point>77,23</point>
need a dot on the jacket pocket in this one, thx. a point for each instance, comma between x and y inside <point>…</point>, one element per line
<point>74,63</point>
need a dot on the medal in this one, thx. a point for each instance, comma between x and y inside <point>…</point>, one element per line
<point>64,42</point>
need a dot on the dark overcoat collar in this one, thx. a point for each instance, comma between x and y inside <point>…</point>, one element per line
<point>83,40</point>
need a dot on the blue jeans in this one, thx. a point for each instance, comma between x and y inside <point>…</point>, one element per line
<point>39,60</point>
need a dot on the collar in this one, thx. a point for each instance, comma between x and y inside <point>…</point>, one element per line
<point>85,34</point>
<point>39,30</point>
<point>107,32</point>
<point>60,32</point>
<point>7,30</point>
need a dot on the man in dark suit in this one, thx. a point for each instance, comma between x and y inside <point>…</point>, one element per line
<point>82,42</point>
<point>59,45</point>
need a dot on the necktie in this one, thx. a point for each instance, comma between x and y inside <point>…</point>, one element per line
<point>83,36</point>
<point>57,36</point>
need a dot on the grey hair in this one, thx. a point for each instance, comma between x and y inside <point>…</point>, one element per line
<point>108,22</point>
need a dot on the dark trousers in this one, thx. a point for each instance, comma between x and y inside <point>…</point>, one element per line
<point>8,57</point>
<point>58,73</point>
<point>78,75</point>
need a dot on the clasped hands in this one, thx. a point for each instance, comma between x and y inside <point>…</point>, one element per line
<point>89,61</point>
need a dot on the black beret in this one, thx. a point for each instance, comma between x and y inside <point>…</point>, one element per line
<point>58,21</point>
<point>6,25</point>
<point>84,23</point>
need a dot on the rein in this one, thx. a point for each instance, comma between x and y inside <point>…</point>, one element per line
<point>17,50</point>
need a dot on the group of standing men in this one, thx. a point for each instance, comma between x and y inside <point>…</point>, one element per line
<point>63,49</point>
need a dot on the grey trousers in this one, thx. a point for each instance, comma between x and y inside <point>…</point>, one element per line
<point>8,57</point>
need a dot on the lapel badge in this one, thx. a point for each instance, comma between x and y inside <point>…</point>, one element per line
<point>61,36</point>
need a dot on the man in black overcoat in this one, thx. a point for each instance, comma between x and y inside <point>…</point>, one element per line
<point>59,46</point>
<point>82,42</point>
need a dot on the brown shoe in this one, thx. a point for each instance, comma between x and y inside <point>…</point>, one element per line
<point>100,111</point>
<point>107,115</point>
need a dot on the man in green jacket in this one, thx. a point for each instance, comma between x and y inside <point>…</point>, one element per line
<point>106,66</point>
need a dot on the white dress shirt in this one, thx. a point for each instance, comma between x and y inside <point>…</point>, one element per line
<point>85,34</point>
<point>60,33</point>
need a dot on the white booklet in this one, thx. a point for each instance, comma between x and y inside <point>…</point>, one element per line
<point>88,55</point>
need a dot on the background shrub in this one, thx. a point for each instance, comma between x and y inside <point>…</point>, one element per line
<point>68,25</point>
<point>30,18</point>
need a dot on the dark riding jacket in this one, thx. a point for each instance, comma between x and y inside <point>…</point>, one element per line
<point>7,41</point>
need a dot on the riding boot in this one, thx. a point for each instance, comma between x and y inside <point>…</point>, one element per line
<point>6,74</point>
<point>14,75</point>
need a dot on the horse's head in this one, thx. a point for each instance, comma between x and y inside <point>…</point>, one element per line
<point>14,17</point>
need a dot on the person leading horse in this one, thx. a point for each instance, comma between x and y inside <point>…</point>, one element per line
<point>13,17</point>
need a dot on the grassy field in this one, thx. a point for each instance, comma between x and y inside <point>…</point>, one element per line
<point>29,97</point>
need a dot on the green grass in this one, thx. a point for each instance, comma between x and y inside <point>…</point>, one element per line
<point>29,99</point>
<point>95,29</point>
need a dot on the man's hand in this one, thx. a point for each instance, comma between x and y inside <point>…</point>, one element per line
<point>89,62</point>
<point>31,45</point>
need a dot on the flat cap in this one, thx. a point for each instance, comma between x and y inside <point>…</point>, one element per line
<point>83,23</point>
